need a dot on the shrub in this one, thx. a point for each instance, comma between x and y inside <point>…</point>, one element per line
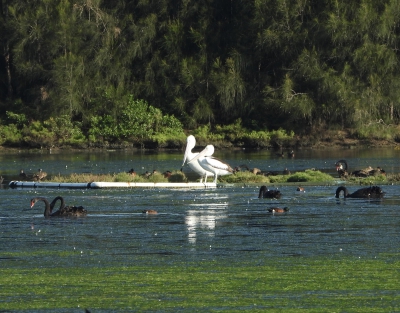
<point>10,135</point>
<point>38,134</point>
<point>139,122</point>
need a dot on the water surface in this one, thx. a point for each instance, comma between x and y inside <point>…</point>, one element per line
<point>228,224</point>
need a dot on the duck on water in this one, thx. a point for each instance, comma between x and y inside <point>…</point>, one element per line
<point>63,211</point>
<point>368,192</point>
<point>278,210</point>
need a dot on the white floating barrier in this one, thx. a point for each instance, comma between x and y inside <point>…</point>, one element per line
<point>99,185</point>
<point>151,185</point>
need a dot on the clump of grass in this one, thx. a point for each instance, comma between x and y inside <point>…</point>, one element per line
<point>176,176</point>
<point>370,180</point>
<point>249,177</point>
<point>243,177</point>
<point>309,176</point>
<point>393,177</point>
<point>306,176</point>
<point>157,178</point>
<point>82,178</point>
<point>127,177</point>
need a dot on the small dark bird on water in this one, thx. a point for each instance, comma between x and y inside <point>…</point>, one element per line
<point>149,212</point>
<point>22,174</point>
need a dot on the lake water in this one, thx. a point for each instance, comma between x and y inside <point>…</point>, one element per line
<point>225,224</point>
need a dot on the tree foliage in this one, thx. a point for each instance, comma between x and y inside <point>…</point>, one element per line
<point>293,64</point>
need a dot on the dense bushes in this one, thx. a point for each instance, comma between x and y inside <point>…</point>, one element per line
<point>302,66</point>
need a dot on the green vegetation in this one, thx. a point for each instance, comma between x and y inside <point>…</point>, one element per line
<point>247,73</point>
<point>176,176</point>
<point>308,176</point>
<point>291,284</point>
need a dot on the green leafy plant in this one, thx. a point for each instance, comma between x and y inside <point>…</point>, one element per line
<point>10,135</point>
<point>39,134</point>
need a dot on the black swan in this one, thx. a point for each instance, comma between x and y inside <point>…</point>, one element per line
<point>265,193</point>
<point>64,211</point>
<point>39,175</point>
<point>53,203</point>
<point>278,210</point>
<point>341,168</point>
<point>368,192</point>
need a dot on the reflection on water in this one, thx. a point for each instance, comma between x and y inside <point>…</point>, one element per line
<point>201,220</point>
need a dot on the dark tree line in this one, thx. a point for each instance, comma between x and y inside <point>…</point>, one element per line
<point>296,64</point>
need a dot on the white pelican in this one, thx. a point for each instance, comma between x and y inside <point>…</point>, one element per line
<point>212,164</point>
<point>195,166</point>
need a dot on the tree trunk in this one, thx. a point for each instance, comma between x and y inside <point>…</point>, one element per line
<point>4,12</point>
<point>8,70</point>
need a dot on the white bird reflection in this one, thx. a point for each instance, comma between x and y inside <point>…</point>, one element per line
<point>204,220</point>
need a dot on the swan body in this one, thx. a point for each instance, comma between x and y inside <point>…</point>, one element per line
<point>64,211</point>
<point>368,192</point>
<point>266,193</point>
<point>195,166</point>
<point>211,164</point>
<point>278,210</point>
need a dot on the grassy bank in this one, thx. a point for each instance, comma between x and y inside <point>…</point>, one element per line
<point>307,176</point>
<point>303,284</point>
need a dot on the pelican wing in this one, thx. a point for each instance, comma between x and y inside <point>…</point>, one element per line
<point>218,164</point>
